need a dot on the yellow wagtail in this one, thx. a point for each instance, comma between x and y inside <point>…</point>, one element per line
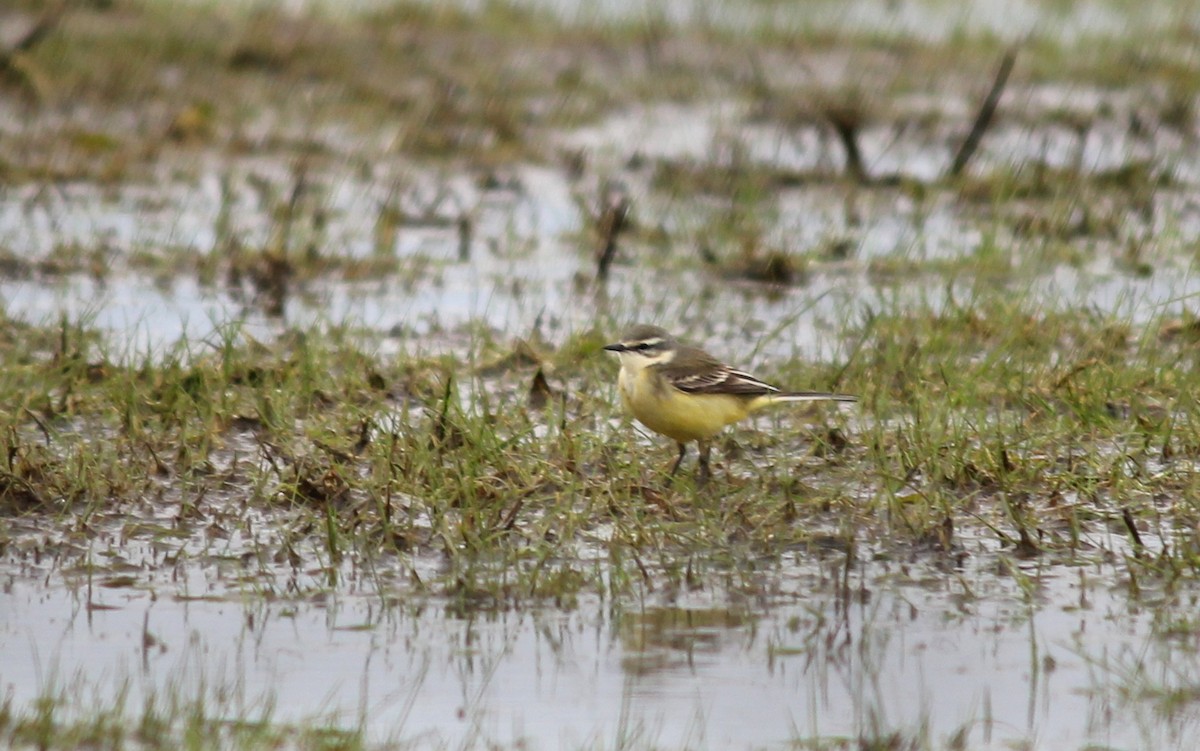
<point>687,394</point>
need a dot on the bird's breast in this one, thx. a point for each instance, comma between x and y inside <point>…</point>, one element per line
<point>673,413</point>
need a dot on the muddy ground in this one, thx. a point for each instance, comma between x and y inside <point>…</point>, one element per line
<point>310,440</point>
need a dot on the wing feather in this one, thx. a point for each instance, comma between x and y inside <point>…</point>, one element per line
<point>700,373</point>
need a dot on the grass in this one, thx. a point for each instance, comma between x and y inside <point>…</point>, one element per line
<point>456,87</point>
<point>1038,426</point>
<point>489,475</point>
<point>166,720</point>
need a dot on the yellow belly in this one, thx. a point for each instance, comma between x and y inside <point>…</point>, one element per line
<point>682,417</point>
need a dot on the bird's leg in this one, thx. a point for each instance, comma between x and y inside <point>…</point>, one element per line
<point>682,453</point>
<point>705,447</point>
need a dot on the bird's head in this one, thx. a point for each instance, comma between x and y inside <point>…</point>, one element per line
<point>641,346</point>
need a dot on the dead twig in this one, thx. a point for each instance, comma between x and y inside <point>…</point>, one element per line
<point>846,122</point>
<point>612,221</point>
<point>984,117</point>
<point>1131,527</point>
<point>40,29</point>
<point>15,65</point>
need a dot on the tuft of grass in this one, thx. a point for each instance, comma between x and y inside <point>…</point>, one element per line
<point>1033,426</point>
<point>168,719</point>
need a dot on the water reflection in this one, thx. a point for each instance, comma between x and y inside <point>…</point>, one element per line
<point>671,638</point>
<point>935,655</point>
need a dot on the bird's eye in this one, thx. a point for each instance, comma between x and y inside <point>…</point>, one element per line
<point>643,346</point>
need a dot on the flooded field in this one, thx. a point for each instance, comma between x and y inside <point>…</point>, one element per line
<point>310,440</point>
<point>944,657</point>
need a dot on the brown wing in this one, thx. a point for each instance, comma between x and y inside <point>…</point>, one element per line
<point>694,371</point>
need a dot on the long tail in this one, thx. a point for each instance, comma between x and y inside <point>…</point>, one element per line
<point>767,400</point>
<point>779,397</point>
<point>810,396</point>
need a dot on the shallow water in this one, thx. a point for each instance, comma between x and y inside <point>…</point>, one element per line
<point>1002,652</point>
<point>529,257</point>
<point>530,262</point>
<point>1049,657</point>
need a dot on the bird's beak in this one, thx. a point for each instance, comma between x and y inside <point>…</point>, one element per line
<point>616,347</point>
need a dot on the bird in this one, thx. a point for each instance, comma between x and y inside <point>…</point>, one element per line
<point>687,395</point>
